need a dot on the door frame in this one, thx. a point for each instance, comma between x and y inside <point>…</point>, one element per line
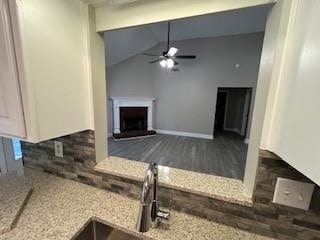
<point>225,108</point>
<point>98,21</point>
<point>246,114</point>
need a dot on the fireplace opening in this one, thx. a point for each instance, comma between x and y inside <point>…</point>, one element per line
<point>133,122</point>
<point>133,119</point>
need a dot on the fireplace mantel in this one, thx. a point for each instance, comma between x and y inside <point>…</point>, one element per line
<point>131,102</point>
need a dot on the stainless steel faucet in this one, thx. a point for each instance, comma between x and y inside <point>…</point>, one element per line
<point>149,212</point>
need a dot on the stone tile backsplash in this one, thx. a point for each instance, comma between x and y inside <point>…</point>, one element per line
<point>264,217</point>
<point>78,156</point>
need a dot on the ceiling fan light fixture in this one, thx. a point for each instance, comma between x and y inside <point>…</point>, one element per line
<point>168,58</point>
<point>170,63</point>
<point>172,51</point>
<point>163,63</point>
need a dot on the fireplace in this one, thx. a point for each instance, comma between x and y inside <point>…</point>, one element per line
<point>132,117</point>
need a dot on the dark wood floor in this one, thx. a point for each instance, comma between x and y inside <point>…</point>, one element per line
<point>224,156</point>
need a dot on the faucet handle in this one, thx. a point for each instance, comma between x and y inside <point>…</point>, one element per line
<point>165,215</point>
<point>153,165</point>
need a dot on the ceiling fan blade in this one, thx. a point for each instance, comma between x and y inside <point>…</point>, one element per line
<point>150,54</point>
<point>186,56</point>
<point>154,61</point>
<point>172,51</point>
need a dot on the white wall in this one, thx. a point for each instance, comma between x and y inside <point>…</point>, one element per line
<point>186,99</point>
<point>273,46</point>
<point>293,131</point>
<point>97,77</point>
<point>110,16</point>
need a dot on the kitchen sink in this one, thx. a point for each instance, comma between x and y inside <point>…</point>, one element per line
<point>98,231</point>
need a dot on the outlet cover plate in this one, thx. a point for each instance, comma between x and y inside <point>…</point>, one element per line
<point>293,193</point>
<point>58,149</point>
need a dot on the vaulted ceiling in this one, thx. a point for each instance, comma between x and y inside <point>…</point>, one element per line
<point>125,43</point>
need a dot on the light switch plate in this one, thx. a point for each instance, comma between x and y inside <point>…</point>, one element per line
<point>293,193</point>
<point>58,149</point>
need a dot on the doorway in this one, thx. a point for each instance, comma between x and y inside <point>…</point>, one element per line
<point>233,115</point>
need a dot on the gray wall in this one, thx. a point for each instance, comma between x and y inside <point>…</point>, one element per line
<point>186,99</point>
<point>130,78</point>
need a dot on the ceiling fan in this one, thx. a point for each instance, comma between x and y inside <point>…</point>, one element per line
<point>169,57</point>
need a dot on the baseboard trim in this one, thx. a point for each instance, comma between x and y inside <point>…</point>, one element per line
<point>185,134</point>
<point>132,138</point>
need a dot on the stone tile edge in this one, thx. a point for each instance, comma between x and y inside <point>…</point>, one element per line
<point>247,202</point>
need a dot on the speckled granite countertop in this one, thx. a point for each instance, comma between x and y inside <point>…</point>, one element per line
<point>222,188</point>
<point>59,208</point>
<point>14,193</point>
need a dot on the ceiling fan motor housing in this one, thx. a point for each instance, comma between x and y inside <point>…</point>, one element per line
<point>165,54</point>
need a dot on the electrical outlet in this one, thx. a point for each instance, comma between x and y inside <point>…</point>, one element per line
<point>293,193</point>
<point>58,149</point>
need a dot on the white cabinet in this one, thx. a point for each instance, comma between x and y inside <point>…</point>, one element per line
<point>291,129</point>
<point>11,112</point>
<point>44,85</point>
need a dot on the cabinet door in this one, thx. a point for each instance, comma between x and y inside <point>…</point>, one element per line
<point>11,111</point>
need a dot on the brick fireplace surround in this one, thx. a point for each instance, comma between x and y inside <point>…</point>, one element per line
<point>263,217</point>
